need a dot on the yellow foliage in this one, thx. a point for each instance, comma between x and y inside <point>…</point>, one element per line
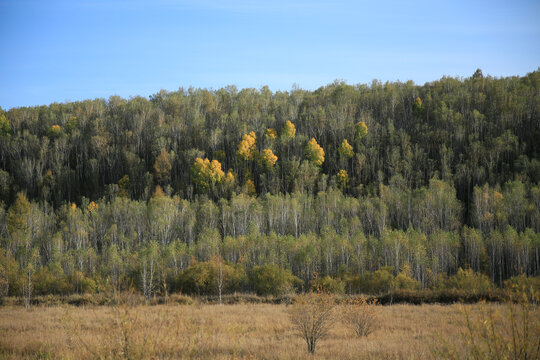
<point>270,134</point>
<point>162,167</point>
<point>343,178</point>
<point>230,178</point>
<point>289,131</point>
<point>206,173</point>
<point>249,188</point>
<point>247,146</point>
<point>55,131</point>
<point>92,206</point>
<point>314,152</point>
<point>158,192</point>
<point>345,150</point>
<point>361,129</point>
<point>268,158</point>
<point>417,106</point>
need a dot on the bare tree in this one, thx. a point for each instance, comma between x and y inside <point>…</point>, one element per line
<point>313,315</point>
<point>359,314</point>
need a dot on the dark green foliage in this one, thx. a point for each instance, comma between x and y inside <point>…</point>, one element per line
<point>440,177</point>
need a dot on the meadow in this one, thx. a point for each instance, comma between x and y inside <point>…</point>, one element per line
<point>239,331</point>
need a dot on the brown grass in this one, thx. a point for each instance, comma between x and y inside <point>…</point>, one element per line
<point>261,331</point>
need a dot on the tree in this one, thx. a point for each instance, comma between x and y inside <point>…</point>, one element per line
<point>288,131</point>
<point>343,178</point>
<point>314,152</point>
<point>270,135</point>
<point>345,150</point>
<point>18,223</point>
<point>5,127</point>
<point>417,106</point>
<point>247,147</point>
<point>29,267</point>
<point>270,279</point>
<point>361,130</point>
<point>148,261</point>
<point>360,314</point>
<point>478,74</point>
<point>124,185</point>
<point>162,168</point>
<point>268,158</point>
<point>313,315</point>
<point>206,174</point>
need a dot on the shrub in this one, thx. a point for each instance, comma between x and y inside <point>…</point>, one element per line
<point>359,314</point>
<point>312,315</point>
<point>512,333</point>
<point>270,279</point>
<point>522,284</point>
<point>328,285</point>
<point>378,282</point>
<point>202,278</point>
<point>469,281</point>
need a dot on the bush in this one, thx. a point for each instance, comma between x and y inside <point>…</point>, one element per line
<point>313,314</point>
<point>523,283</point>
<point>270,279</point>
<point>511,333</point>
<point>359,314</point>
<point>404,281</point>
<point>378,282</point>
<point>328,285</point>
<point>469,281</point>
<point>202,278</point>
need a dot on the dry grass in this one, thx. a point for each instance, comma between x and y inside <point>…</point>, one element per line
<point>220,332</point>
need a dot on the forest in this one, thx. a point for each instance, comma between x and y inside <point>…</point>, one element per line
<point>361,188</point>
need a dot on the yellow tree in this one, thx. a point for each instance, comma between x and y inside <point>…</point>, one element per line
<point>270,135</point>
<point>247,146</point>
<point>229,181</point>
<point>206,174</point>
<point>288,132</point>
<point>249,188</point>
<point>268,159</point>
<point>162,167</point>
<point>361,130</point>
<point>345,150</point>
<point>343,178</point>
<point>314,152</point>
<point>417,106</point>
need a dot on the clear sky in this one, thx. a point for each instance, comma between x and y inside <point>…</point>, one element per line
<point>56,51</point>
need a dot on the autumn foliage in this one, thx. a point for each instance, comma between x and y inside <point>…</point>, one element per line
<point>206,174</point>
<point>247,147</point>
<point>345,150</point>
<point>314,152</point>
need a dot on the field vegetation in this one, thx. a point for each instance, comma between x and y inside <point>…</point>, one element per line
<point>235,331</point>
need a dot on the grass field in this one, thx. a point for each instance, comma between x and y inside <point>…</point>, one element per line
<point>220,332</point>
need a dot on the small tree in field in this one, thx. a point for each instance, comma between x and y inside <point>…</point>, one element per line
<point>359,314</point>
<point>313,315</point>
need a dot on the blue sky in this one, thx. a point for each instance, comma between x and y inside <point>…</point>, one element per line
<point>56,51</point>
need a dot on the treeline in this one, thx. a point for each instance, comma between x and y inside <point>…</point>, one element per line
<point>268,245</point>
<point>343,181</point>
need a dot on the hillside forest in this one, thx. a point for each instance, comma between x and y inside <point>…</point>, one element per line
<point>358,188</point>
